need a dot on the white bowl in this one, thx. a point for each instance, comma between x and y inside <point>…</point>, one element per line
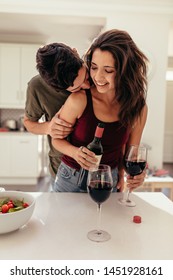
<point>14,220</point>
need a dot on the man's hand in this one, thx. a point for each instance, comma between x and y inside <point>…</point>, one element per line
<point>58,128</point>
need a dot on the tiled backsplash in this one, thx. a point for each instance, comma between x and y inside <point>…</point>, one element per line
<point>6,114</point>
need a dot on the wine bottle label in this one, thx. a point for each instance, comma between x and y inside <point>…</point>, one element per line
<point>95,167</point>
<point>98,157</point>
<point>99,132</point>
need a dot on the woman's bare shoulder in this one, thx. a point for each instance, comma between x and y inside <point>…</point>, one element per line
<point>79,96</point>
<point>75,104</point>
<point>77,99</point>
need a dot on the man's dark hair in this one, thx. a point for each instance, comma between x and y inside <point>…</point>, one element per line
<point>58,65</point>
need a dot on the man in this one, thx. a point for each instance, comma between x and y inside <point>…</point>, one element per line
<point>61,71</point>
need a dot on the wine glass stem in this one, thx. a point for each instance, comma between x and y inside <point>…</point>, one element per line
<point>128,193</point>
<point>98,216</point>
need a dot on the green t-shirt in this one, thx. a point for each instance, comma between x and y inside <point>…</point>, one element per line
<point>43,100</point>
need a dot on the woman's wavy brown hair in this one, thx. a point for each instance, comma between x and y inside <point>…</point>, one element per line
<point>131,72</point>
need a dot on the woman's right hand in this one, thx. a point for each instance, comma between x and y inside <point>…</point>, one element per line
<point>85,158</point>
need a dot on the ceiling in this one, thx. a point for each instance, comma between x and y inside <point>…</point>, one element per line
<point>42,29</point>
<point>29,21</point>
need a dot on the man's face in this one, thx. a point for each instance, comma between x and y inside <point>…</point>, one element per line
<point>81,82</point>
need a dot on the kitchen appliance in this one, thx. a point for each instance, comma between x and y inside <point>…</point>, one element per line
<point>11,124</point>
<point>21,126</point>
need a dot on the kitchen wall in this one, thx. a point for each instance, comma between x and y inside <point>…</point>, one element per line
<point>168,135</point>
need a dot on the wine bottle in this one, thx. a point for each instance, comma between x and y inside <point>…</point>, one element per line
<point>96,145</point>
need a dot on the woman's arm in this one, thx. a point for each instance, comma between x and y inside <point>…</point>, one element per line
<point>134,139</point>
<point>137,130</point>
<point>120,184</point>
<point>71,111</point>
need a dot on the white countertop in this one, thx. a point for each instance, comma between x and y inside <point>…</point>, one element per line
<point>16,132</point>
<point>58,229</point>
<point>156,179</point>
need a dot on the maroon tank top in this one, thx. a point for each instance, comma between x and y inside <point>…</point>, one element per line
<point>115,135</point>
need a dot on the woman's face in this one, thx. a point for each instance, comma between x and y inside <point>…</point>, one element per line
<point>103,71</point>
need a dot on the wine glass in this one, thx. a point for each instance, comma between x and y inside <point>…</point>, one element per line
<point>99,185</point>
<point>134,164</point>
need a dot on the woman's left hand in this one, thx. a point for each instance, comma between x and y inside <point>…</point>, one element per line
<point>136,181</point>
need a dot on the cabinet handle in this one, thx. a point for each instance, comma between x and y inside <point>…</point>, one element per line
<point>24,142</point>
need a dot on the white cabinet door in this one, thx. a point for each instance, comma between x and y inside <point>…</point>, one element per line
<point>17,67</point>
<point>9,75</point>
<point>28,68</point>
<point>20,158</point>
<point>4,156</point>
<point>24,156</point>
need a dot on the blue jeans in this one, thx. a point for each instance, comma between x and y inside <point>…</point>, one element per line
<point>71,180</point>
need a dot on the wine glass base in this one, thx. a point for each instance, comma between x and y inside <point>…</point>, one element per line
<point>98,236</point>
<point>128,203</point>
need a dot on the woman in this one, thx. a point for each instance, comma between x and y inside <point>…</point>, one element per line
<point>117,98</point>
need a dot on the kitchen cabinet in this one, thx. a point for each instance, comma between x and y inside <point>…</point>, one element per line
<point>17,67</point>
<point>21,158</point>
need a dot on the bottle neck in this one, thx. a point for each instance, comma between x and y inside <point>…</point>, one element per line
<point>99,132</point>
<point>97,140</point>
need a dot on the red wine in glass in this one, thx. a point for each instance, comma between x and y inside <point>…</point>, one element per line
<point>99,191</point>
<point>99,185</point>
<point>134,163</point>
<point>134,167</point>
